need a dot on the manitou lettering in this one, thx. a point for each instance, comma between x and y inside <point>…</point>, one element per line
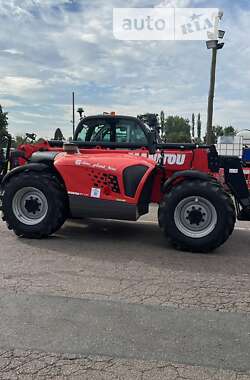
<point>170,158</point>
<point>174,159</point>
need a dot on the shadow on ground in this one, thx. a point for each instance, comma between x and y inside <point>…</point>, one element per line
<point>122,242</point>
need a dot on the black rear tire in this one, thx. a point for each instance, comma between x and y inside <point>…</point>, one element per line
<point>49,189</point>
<point>192,234</point>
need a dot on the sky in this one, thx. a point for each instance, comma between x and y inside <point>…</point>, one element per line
<point>48,48</point>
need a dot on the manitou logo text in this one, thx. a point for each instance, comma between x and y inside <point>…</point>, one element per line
<point>168,159</point>
<point>174,159</point>
<point>171,159</point>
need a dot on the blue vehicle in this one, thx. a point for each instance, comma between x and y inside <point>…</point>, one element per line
<point>246,156</point>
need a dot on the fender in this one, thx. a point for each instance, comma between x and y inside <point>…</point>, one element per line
<point>26,168</point>
<point>186,174</point>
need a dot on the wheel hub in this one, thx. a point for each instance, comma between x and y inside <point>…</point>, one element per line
<point>195,217</point>
<point>30,206</point>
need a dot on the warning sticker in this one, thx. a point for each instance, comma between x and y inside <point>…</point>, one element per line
<point>95,192</point>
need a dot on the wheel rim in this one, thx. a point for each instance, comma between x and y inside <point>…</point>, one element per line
<point>195,217</point>
<point>30,206</point>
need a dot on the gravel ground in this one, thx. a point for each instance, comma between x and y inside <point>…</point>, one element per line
<point>124,262</point>
<point>28,365</point>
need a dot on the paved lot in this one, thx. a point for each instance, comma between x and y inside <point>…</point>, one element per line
<point>135,281</point>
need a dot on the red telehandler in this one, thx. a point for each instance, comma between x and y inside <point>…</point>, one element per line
<point>114,168</point>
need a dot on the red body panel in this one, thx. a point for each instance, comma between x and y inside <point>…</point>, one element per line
<point>87,170</point>
<point>84,174</point>
<point>92,163</point>
<point>92,169</point>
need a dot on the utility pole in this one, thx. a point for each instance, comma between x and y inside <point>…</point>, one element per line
<point>73,113</point>
<point>210,108</point>
<point>215,45</point>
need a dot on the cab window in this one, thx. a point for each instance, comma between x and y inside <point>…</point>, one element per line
<point>95,131</point>
<point>83,133</point>
<point>101,133</point>
<point>127,131</point>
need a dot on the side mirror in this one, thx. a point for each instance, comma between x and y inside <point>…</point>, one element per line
<point>152,142</point>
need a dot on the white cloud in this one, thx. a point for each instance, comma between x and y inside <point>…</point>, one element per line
<point>88,37</point>
<point>174,3</point>
<point>52,51</point>
<point>8,103</point>
<point>13,85</point>
<point>12,51</point>
<point>180,3</point>
<point>35,115</point>
<point>20,121</point>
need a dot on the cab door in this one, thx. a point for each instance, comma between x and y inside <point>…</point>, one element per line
<point>129,131</point>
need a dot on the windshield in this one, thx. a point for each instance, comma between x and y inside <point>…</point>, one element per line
<point>120,130</point>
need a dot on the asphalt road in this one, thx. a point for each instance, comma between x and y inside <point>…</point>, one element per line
<point>112,300</point>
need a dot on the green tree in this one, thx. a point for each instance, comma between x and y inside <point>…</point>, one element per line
<point>177,130</point>
<point>199,128</point>
<point>218,131</point>
<point>193,126</point>
<point>18,140</point>
<point>58,135</point>
<point>3,121</point>
<point>230,131</point>
<point>162,122</point>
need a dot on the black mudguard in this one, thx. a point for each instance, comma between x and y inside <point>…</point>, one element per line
<point>24,168</point>
<point>185,174</point>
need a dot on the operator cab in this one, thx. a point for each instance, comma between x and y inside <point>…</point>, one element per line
<point>113,129</point>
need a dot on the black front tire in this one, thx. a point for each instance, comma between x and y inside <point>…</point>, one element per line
<point>215,195</point>
<point>57,204</point>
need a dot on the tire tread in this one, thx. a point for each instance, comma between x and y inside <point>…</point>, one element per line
<point>59,217</point>
<point>222,195</point>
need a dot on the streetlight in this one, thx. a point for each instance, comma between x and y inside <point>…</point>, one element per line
<point>81,112</point>
<point>221,33</point>
<point>214,44</point>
